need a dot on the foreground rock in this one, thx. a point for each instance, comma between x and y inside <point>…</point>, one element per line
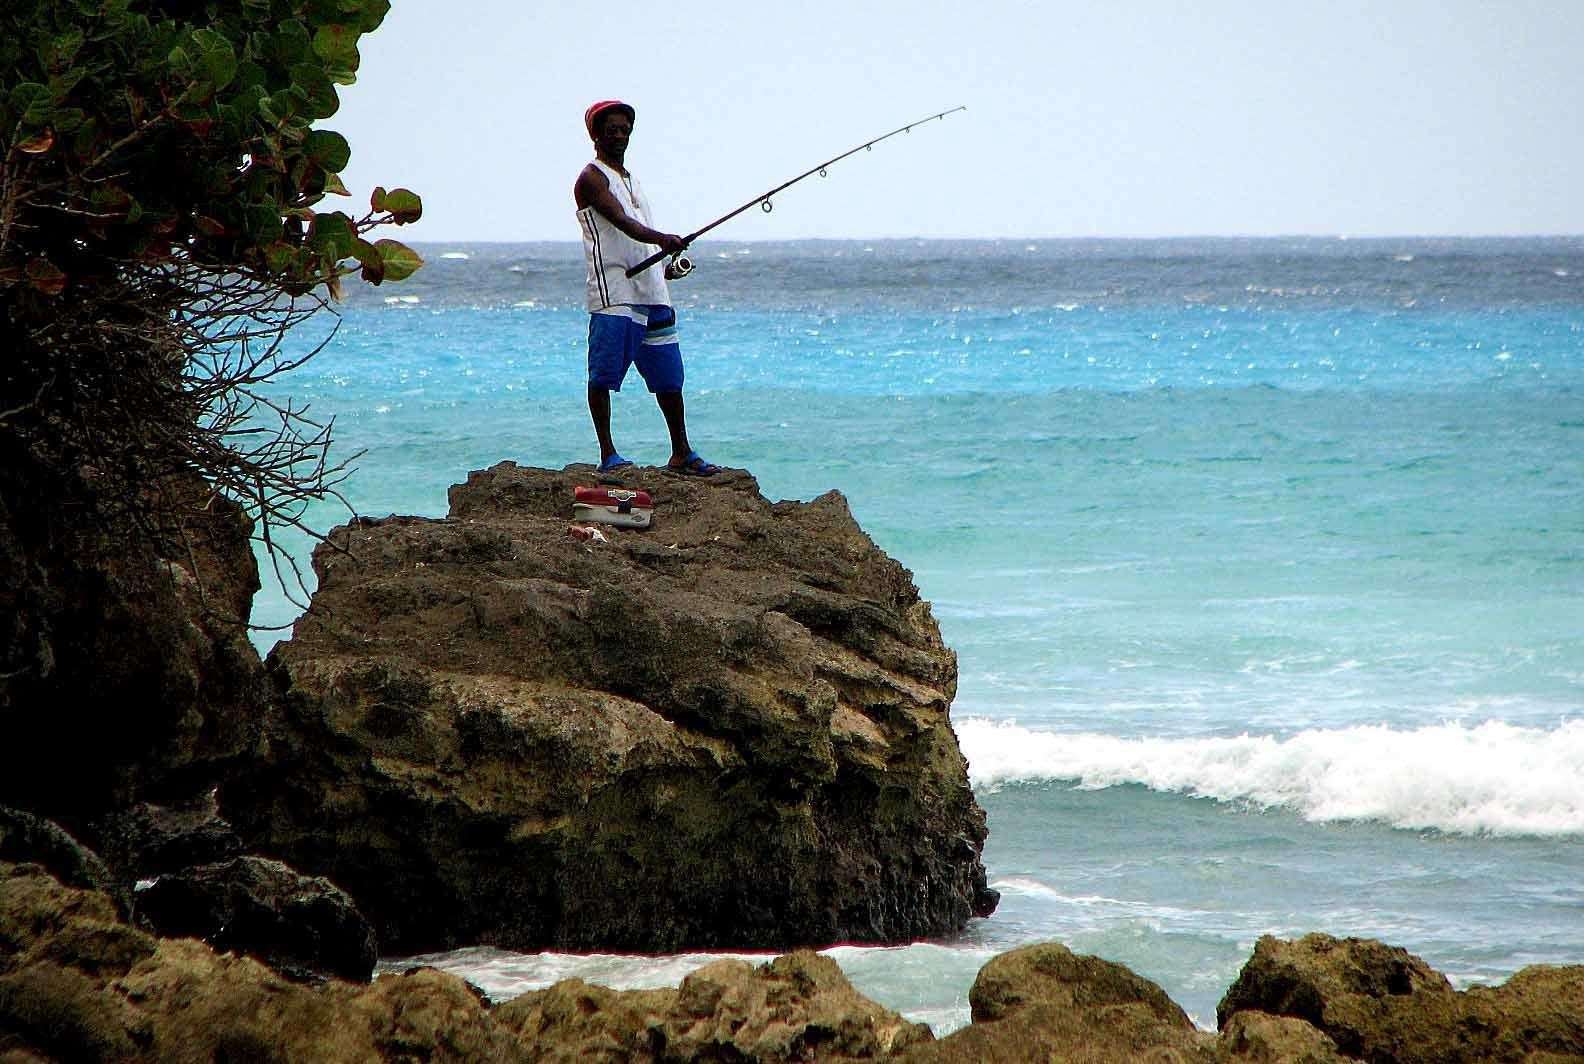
<point>797,1007</point>
<point>77,982</point>
<point>1383,1004</point>
<point>1045,1003</point>
<point>728,731</point>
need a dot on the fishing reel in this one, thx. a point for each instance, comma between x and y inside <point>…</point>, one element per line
<point>678,267</point>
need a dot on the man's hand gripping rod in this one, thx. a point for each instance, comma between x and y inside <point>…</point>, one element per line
<point>763,200</point>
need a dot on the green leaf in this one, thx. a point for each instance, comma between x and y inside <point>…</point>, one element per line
<point>32,103</point>
<point>313,86</point>
<point>217,61</point>
<point>291,43</point>
<point>249,76</point>
<point>337,46</point>
<point>264,222</point>
<point>329,149</point>
<point>403,204</point>
<point>333,232</point>
<point>399,260</point>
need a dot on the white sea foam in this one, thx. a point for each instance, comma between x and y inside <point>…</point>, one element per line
<point>1490,778</point>
<point>461,255</point>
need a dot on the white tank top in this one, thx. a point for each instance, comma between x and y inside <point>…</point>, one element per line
<point>609,252</point>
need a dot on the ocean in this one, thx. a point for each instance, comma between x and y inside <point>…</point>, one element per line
<point>1263,558</point>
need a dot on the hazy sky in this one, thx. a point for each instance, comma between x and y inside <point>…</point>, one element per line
<point>1124,118</point>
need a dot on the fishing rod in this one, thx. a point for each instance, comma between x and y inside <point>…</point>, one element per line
<point>763,200</point>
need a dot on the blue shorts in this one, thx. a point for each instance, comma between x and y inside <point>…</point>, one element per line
<point>643,334</point>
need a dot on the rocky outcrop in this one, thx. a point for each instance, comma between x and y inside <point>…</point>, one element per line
<point>1383,1004</point>
<point>77,983</point>
<point>299,925</point>
<point>1044,1002</point>
<point>125,668</point>
<point>728,730</point>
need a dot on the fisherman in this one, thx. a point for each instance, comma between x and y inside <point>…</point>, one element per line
<point>630,319</point>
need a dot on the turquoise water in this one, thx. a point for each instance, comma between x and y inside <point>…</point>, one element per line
<point>1263,560</point>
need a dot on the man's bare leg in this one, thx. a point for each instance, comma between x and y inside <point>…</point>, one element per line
<point>676,423</point>
<point>599,405</point>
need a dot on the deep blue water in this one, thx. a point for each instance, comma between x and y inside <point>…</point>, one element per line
<point>1263,559</point>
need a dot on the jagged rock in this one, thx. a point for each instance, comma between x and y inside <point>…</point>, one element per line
<point>78,984</point>
<point>147,840</point>
<point>1383,1004</point>
<point>125,668</point>
<point>1260,1039</point>
<point>730,730</point>
<point>297,924</point>
<point>797,1007</point>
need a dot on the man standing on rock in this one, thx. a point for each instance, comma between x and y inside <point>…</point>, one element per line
<point>630,318</point>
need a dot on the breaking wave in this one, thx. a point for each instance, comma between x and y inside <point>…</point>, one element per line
<point>1485,779</point>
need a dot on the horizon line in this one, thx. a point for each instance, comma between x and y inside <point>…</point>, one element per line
<point>1339,237</point>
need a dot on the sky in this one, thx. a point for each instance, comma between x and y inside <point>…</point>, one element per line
<point>1129,118</point>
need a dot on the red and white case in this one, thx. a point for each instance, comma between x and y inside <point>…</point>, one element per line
<point>622,507</point>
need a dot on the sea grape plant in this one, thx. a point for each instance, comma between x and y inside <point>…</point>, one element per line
<point>169,209</point>
<point>148,131</point>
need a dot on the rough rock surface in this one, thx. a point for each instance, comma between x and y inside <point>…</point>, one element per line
<point>728,730</point>
<point>797,1007</point>
<point>299,925</point>
<point>1044,1002</point>
<point>146,840</point>
<point>76,983</point>
<point>25,837</point>
<point>1382,1004</point>
<point>125,668</point>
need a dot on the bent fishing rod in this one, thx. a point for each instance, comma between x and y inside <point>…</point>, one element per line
<point>763,200</point>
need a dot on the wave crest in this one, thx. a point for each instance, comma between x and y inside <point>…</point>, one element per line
<point>1490,778</point>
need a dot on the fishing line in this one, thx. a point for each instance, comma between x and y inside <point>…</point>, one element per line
<point>763,201</point>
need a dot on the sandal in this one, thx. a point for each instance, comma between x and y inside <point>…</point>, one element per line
<point>694,466</point>
<point>614,461</point>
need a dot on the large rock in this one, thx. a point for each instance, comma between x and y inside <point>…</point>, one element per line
<point>730,730</point>
<point>125,667</point>
<point>1382,1004</point>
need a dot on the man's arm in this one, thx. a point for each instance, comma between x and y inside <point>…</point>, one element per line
<point>593,190</point>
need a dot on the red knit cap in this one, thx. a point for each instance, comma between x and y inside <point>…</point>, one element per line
<point>595,110</point>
